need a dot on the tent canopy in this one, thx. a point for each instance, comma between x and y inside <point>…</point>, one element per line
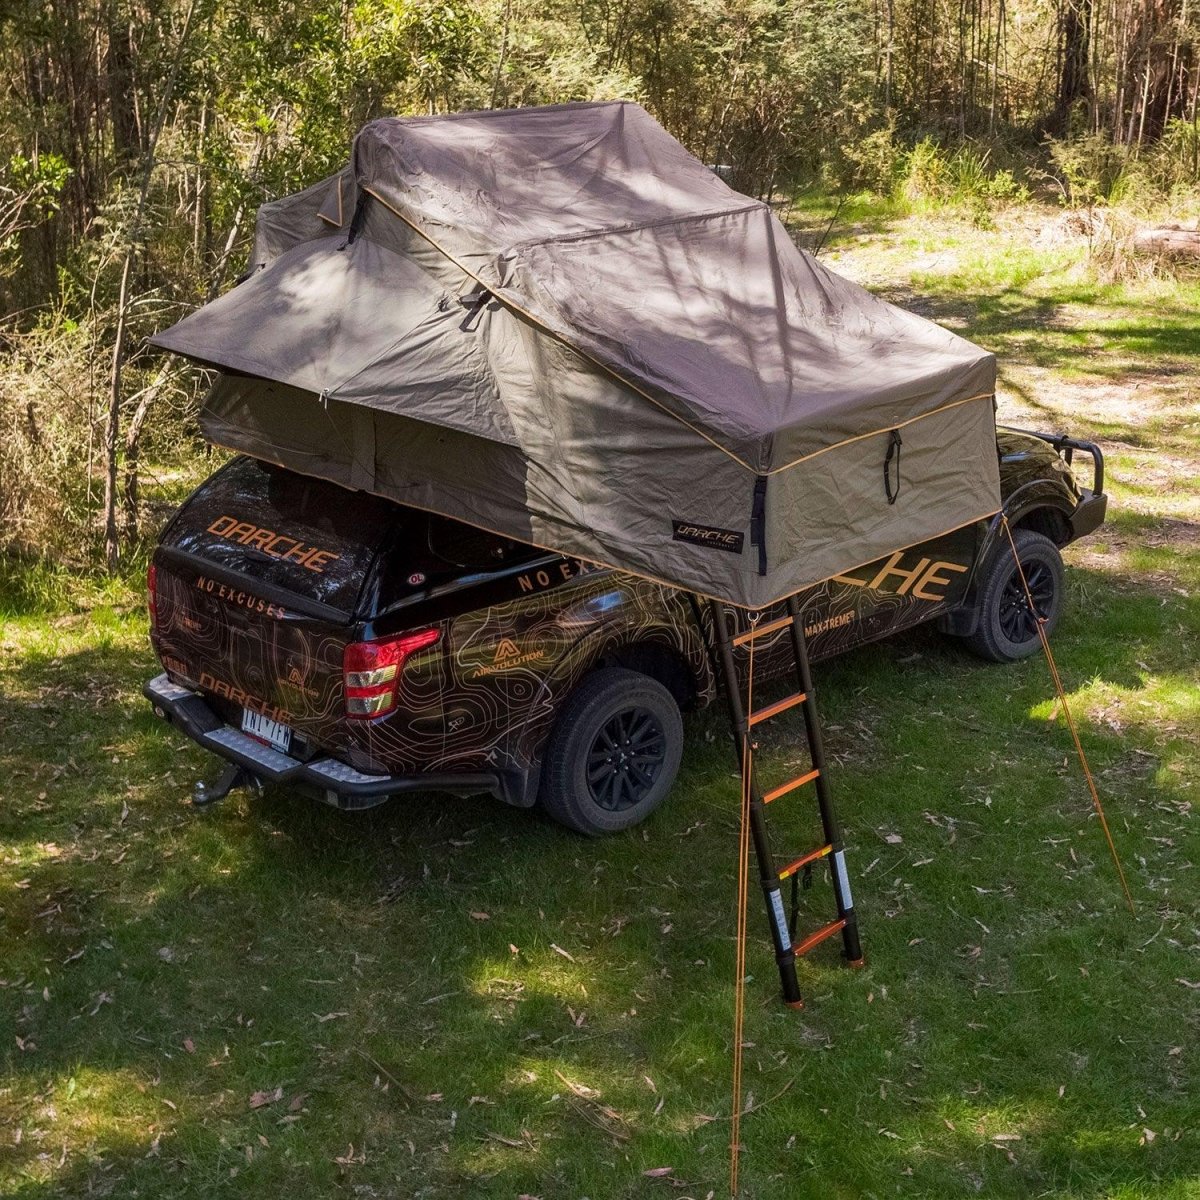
<point>557,324</point>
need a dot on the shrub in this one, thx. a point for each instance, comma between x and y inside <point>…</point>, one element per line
<point>963,178</point>
<point>1087,170</point>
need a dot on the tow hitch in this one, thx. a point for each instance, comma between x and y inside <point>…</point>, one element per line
<point>206,794</point>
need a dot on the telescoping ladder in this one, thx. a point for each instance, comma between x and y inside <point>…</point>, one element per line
<point>783,928</point>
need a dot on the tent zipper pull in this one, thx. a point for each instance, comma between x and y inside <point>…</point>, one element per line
<point>893,451</point>
<point>356,221</point>
<point>473,302</point>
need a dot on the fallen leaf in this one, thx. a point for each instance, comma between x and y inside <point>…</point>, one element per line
<point>189,1045</point>
<point>296,1103</point>
<point>570,958</point>
<point>262,1099</point>
<point>333,1016</point>
<point>481,916</point>
<point>658,1172</point>
<point>892,839</point>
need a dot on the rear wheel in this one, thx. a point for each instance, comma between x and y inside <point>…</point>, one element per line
<point>613,754</point>
<point>1008,628</point>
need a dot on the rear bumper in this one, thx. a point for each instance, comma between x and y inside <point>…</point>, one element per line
<point>333,781</point>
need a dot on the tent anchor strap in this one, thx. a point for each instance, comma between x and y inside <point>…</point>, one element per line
<point>729,646</point>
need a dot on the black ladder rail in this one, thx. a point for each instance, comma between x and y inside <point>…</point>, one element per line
<point>787,949</point>
<point>830,823</point>
<point>785,954</point>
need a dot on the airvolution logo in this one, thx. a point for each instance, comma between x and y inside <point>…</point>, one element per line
<point>508,656</point>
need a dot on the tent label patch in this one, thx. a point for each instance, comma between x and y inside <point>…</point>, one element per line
<point>707,535</point>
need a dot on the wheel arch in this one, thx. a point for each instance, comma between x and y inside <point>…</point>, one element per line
<point>672,653</point>
<point>1039,506</point>
<point>1048,520</point>
<point>660,661</point>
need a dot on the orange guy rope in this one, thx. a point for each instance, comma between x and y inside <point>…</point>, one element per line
<point>1062,699</point>
<point>743,896</point>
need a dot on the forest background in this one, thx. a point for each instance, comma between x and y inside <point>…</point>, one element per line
<point>138,139</point>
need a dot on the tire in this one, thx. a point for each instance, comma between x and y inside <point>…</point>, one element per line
<point>586,784</point>
<point>1006,630</point>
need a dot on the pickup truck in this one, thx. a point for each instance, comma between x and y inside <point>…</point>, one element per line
<point>355,649</point>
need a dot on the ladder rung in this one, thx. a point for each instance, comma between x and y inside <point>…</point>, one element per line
<point>769,627</point>
<point>784,788</point>
<point>815,939</point>
<point>773,710</point>
<point>803,861</point>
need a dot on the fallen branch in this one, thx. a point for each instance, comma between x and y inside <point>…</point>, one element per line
<point>1171,241</point>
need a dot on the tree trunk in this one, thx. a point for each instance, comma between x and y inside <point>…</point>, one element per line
<point>133,444</point>
<point>1074,82</point>
<point>112,427</point>
<point>1154,57</point>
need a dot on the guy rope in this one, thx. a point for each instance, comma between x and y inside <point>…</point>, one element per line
<point>752,824</point>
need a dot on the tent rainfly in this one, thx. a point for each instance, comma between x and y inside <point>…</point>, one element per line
<point>556,324</point>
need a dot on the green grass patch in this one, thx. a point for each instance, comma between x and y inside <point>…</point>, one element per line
<point>449,998</point>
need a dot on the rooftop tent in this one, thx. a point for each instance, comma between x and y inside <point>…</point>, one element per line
<point>556,324</point>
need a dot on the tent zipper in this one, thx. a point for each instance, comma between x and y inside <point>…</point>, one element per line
<point>758,521</point>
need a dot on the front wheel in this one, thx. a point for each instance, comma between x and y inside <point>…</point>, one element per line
<point>613,754</point>
<point>1008,628</point>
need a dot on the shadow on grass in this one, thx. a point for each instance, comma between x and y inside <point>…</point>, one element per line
<point>458,998</point>
<point>1005,318</point>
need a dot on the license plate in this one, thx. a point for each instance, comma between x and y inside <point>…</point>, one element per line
<point>274,733</point>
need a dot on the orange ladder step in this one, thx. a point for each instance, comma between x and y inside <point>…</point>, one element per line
<point>769,627</point>
<point>784,788</point>
<point>804,860</point>
<point>815,939</point>
<point>773,710</point>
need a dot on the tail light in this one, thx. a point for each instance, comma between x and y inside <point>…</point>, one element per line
<point>371,671</point>
<point>152,594</point>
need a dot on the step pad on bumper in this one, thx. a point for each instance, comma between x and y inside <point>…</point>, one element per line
<point>277,764</point>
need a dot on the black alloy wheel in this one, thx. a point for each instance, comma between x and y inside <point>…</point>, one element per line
<point>626,758</point>
<point>1018,621</point>
<point>613,753</point>
<point>1007,628</point>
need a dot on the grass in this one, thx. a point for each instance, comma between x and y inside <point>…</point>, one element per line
<point>451,998</point>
